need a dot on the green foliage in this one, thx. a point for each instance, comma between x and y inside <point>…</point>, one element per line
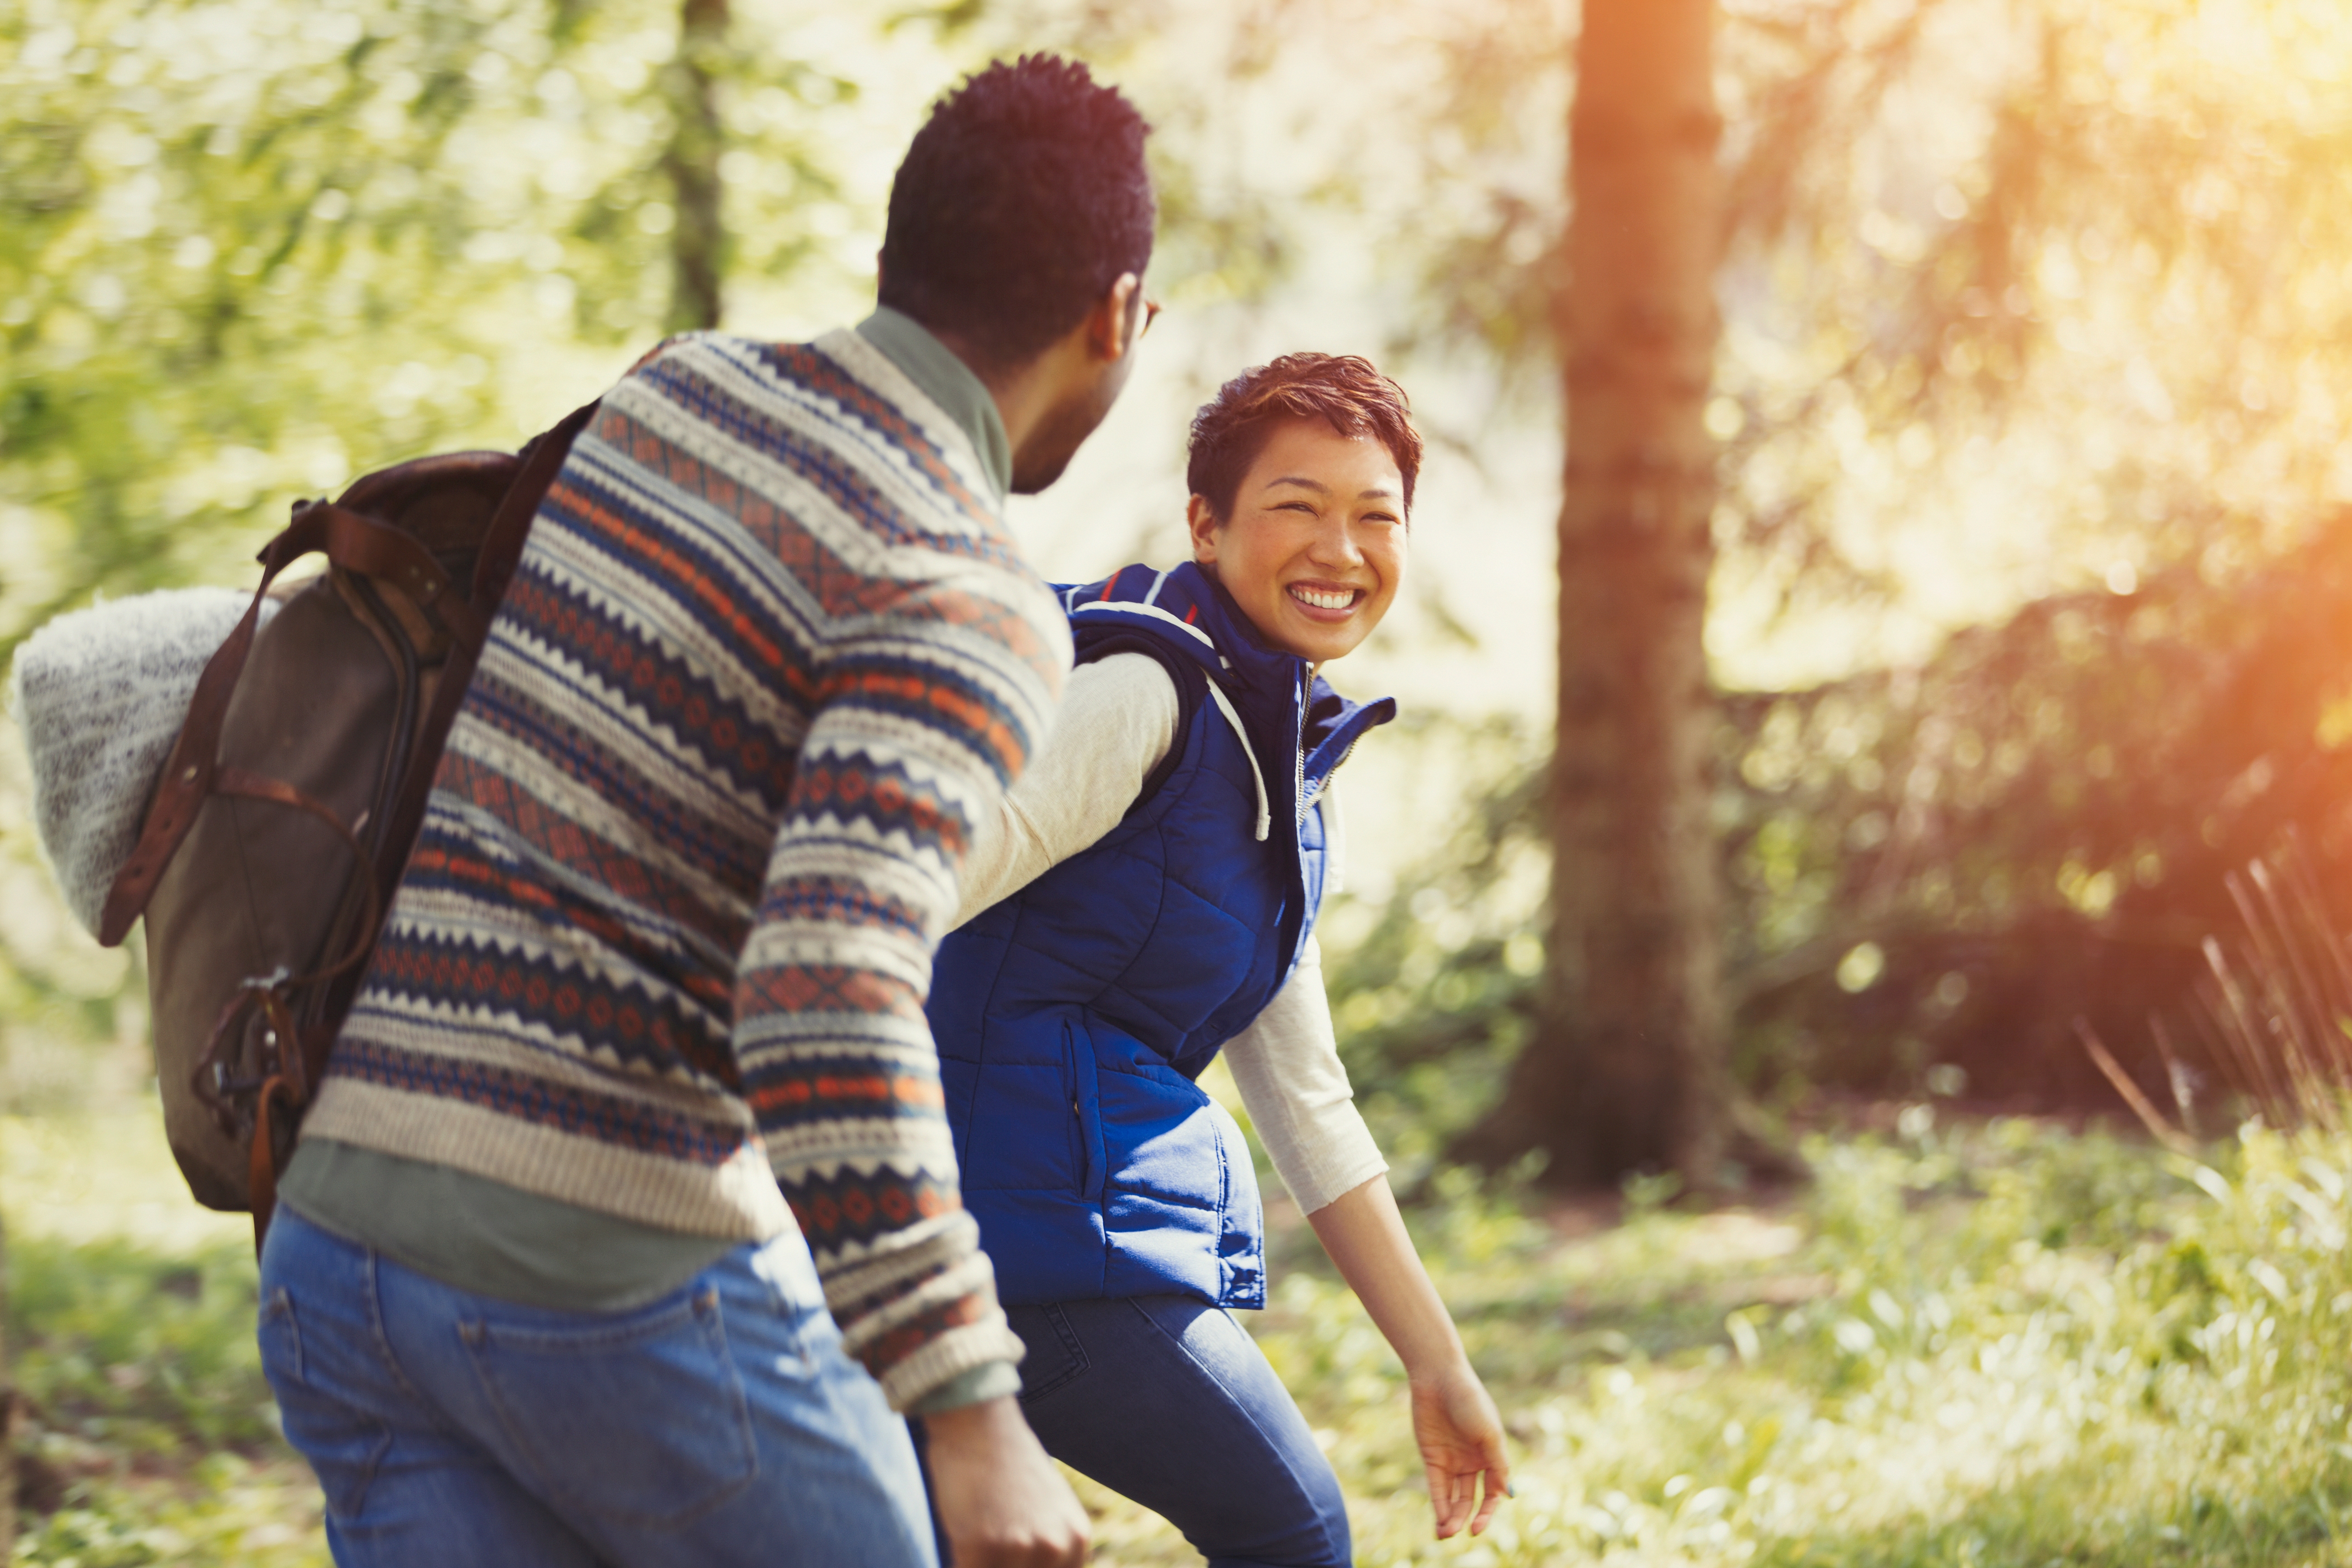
<point>1992,1344</point>
<point>251,248</point>
<point>233,1514</point>
<point>1986,1342</point>
<point>201,237</point>
<point>1933,872</point>
<point>1952,862</point>
<point>121,1345</point>
<point>233,276</point>
<point>146,1433</point>
<point>1435,990</point>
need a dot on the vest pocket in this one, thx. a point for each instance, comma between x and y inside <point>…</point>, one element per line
<point>1086,1110</point>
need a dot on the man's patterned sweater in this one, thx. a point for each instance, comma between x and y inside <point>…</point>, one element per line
<point>769,658</point>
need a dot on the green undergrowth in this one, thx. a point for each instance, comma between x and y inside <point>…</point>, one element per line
<point>1994,1343</point>
<point>145,1432</point>
<point>1984,1343</point>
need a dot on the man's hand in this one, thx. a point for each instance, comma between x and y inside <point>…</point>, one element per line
<point>1460,1437</point>
<point>1002,1503</point>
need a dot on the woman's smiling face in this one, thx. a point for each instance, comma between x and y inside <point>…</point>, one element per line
<point>1314,551</point>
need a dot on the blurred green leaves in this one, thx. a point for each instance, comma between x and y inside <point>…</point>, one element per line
<point>251,247</point>
<point>119,1345</point>
<point>1981,1342</point>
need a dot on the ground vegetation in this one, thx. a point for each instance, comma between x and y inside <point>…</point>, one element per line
<point>1964,1340</point>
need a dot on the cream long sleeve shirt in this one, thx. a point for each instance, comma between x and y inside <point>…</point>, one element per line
<point>1117,720</point>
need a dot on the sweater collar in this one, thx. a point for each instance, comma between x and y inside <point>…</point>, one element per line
<point>948,382</point>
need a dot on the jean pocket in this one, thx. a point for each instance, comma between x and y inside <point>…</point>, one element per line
<point>1054,1355</point>
<point>639,1420</point>
<point>343,1444</point>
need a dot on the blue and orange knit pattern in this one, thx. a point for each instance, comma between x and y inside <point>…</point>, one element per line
<point>768,657</point>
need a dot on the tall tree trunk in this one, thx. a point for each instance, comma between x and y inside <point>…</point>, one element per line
<point>1627,1071</point>
<point>697,140</point>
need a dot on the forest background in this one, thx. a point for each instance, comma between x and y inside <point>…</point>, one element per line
<point>2023,638</point>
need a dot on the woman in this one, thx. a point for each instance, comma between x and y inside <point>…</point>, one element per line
<point>1149,899</point>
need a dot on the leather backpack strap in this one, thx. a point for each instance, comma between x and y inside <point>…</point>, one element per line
<point>502,542</point>
<point>357,543</point>
<point>261,1154</point>
<point>351,540</point>
<point>494,563</point>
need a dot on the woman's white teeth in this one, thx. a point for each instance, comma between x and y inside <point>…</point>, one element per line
<point>1324,601</point>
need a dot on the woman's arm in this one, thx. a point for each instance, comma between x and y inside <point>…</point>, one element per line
<point>1453,1420</point>
<point>1117,720</point>
<point>1287,1065</point>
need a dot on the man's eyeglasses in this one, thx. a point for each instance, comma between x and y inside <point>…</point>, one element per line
<point>1150,314</point>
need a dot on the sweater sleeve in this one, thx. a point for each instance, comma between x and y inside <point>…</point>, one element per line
<point>926,704</point>
<point>1287,1065</point>
<point>1117,721</point>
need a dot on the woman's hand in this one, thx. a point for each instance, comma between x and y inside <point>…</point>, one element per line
<point>1461,1438</point>
<point>1453,1421</point>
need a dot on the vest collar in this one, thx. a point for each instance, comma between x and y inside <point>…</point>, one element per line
<point>1301,729</point>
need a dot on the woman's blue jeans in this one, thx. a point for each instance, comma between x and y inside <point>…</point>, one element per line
<point>1165,1400</point>
<point>719,1425</point>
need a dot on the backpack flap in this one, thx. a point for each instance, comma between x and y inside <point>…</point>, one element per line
<point>257,890</point>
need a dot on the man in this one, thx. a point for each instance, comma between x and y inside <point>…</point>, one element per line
<point>532,1295</point>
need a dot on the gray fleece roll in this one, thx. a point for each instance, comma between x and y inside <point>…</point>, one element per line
<point>101,694</point>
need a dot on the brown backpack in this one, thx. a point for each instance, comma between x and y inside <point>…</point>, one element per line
<point>282,821</point>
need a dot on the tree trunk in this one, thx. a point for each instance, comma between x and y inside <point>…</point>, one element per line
<point>697,140</point>
<point>1627,1072</point>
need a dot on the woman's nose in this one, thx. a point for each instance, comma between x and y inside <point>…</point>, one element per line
<point>1335,544</point>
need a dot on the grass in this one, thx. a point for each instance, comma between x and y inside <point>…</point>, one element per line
<point>1975,1343</point>
<point>1994,1343</point>
<point>146,1434</point>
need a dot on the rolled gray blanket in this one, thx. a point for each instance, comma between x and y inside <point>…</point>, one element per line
<point>101,694</point>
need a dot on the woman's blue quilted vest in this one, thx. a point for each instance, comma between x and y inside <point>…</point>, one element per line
<point>1073,1017</point>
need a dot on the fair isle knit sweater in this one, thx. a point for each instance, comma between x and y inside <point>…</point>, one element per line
<point>768,658</point>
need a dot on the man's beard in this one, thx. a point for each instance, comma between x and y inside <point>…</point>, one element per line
<point>1059,435</point>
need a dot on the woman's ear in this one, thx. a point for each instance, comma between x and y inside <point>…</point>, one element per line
<point>1201,523</point>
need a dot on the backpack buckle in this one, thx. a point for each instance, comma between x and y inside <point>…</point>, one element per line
<point>224,1082</point>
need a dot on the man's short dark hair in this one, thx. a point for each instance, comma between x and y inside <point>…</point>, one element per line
<point>1019,201</point>
<point>1345,390</point>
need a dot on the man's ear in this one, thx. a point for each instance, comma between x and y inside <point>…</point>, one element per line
<point>1202,523</point>
<point>1107,334</point>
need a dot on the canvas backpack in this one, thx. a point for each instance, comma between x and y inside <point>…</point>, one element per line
<point>282,821</point>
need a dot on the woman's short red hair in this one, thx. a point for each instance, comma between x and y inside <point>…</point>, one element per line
<point>1346,390</point>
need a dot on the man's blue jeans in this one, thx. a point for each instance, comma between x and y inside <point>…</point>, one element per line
<point>719,1425</point>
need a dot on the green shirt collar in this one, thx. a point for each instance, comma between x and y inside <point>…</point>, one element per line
<point>948,382</point>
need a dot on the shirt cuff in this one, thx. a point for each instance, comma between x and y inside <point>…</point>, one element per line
<point>989,1380</point>
<point>1337,1178</point>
